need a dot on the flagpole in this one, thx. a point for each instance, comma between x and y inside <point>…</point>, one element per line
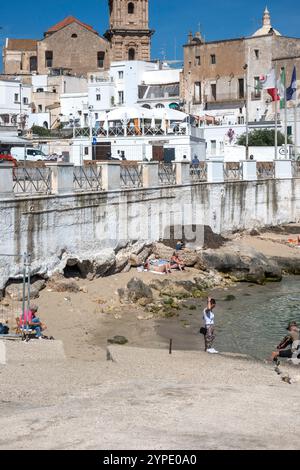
<point>295,129</point>
<point>276,114</point>
<point>285,118</point>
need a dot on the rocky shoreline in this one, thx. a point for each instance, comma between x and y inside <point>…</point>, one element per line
<point>220,263</point>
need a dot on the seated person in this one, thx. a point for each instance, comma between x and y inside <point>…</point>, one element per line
<point>176,262</point>
<point>289,345</point>
<point>179,246</point>
<point>32,322</point>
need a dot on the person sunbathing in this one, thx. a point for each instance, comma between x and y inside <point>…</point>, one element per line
<point>158,265</point>
<point>176,262</point>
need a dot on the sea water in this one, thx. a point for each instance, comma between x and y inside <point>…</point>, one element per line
<point>253,323</point>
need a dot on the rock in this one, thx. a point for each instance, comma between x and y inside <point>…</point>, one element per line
<point>254,233</point>
<point>60,284</point>
<point>136,290</point>
<point>163,251</point>
<point>175,291</point>
<point>190,258</point>
<point>83,289</point>
<point>229,298</point>
<point>141,258</point>
<point>244,264</point>
<point>15,290</point>
<point>121,340</point>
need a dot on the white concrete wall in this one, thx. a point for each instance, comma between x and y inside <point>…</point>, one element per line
<point>84,225</point>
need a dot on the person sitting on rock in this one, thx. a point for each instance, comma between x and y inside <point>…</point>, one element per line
<point>176,262</point>
<point>179,246</point>
<point>290,345</point>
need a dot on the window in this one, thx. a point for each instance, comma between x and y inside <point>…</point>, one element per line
<point>33,64</point>
<point>40,108</point>
<point>98,97</point>
<point>96,116</point>
<point>241,120</point>
<point>213,59</point>
<point>289,130</point>
<point>49,58</point>
<point>100,59</point>
<point>25,100</point>
<point>256,52</point>
<point>213,147</point>
<point>131,54</point>
<point>74,36</point>
<point>121,75</point>
<point>86,150</point>
<point>197,92</point>
<point>197,60</point>
<point>159,106</point>
<point>241,88</point>
<point>257,88</point>
<point>121,97</point>
<point>130,8</point>
<point>16,98</point>
<point>213,90</point>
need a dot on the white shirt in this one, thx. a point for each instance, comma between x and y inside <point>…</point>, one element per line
<point>208,317</point>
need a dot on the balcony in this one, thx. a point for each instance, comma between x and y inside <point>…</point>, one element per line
<point>224,98</point>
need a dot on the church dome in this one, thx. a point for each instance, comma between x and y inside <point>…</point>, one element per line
<point>267,26</point>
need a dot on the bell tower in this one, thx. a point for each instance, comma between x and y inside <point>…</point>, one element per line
<point>129,32</point>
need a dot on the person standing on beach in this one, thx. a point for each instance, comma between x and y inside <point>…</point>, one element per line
<point>209,323</point>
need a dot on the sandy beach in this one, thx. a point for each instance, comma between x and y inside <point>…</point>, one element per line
<point>143,398</point>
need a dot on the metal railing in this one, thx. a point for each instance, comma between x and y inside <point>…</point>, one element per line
<point>166,174</point>
<point>131,176</point>
<point>296,169</point>
<point>198,172</point>
<point>265,170</point>
<point>35,180</point>
<point>88,178</point>
<point>233,171</point>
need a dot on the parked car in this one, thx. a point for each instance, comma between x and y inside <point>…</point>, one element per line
<point>28,153</point>
<point>8,158</point>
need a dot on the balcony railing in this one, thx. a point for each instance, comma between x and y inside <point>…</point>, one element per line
<point>31,181</point>
<point>265,170</point>
<point>88,178</point>
<point>131,176</point>
<point>34,179</point>
<point>233,171</point>
<point>167,174</point>
<point>120,131</point>
<point>198,172</point>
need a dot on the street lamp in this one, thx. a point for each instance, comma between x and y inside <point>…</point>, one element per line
<point>247,111</point>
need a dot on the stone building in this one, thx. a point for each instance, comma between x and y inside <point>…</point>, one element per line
<point>78,49</point>
<point>129,32</point>
<point>70,45</point>
<point>216,73</point>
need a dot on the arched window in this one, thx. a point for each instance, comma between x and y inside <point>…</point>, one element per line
<point>160,106</point>
<point>130,8</point>
<point>131,54</point>
<point>147,106</point>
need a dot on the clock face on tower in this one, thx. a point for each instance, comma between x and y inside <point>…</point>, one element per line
<point>129,32</point>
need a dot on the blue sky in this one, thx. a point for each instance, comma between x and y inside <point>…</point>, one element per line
<point>171,19</point>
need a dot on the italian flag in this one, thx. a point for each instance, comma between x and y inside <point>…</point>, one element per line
<point>268,82</point>
<point>282,88</point>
